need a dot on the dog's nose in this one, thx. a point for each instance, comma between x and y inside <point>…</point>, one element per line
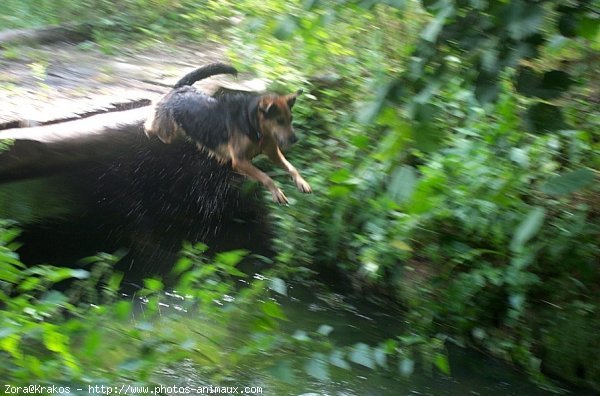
<point>293,139</point>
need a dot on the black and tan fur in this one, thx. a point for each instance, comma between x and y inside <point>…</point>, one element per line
<point>233,127</point>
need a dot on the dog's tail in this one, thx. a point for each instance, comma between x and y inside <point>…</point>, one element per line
<point>205,72</point>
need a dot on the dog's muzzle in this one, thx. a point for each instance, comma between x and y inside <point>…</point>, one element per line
<point>285,143</point>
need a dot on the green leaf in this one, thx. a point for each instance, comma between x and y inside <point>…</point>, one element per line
<point>9,235</point>
<point>441,362</point>
<point>402,183</point>
<point>325,329</point>
<point>80,274</point>
<point>433,29</point>
<point>317,367</point>
<point>9,273</point>
<point>528,228</point>
<point>380,356</point>
<point>368,111</point>
<point>520,156</point>
<point>54,297</point>
<point>338,191</point>
<point>235,272</point>
<point>9,257</point>
<point>516,301</point>
<point>278,285</point>
<point>92,341</point>
<point>30,283</point>
<point>361,354</point>
<point>232,257</point>
<point>55,341</point>
<point>10,344</point>
<point>283,371</point>
<point>122,310</point>
<point>7,331</point>
<point>60,274</point>
<point>153,285</point>
<point>360,141</point>
<point>337,359</point>
<point>199,247</point>
<point>301,335</point>
<point>115,281</point>
<point>568,183</point>
<point>273,310</point>
<point>131,365</point>
<point>522,18</point>
<point>144,326</point>
<point>286,26</point>
<point>406,367</point>
<point>478,333</point>
<point>182,265</point>
<point>393,142</point>
<point>340,176</point>
<point>427,136</point>
<point>588,27</point>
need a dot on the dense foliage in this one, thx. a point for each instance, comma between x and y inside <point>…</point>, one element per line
<point>453,150</point>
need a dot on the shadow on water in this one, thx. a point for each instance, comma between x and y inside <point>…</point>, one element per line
<point>151,200</point>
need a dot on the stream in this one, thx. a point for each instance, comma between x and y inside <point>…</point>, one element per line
<point>149,206</point>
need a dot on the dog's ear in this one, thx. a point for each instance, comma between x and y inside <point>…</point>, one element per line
<point>269,109</point>
<point>291,98</point>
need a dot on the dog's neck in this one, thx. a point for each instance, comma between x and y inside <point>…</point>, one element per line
<point>255,132</point>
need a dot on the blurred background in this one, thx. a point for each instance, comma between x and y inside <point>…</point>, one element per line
<point>451,245</point>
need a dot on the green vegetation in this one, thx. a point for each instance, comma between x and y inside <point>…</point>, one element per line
<point>78,336</point>
<point>455,168</point>
<point>89,334</point>
<point>453,150</point>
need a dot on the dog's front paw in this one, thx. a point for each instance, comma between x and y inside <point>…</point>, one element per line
<point>279,197</point>
<point>303,186</point>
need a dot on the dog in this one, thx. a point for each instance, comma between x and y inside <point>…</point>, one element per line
<point>233,127</point>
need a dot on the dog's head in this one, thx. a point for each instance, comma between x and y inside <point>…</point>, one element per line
<point>275,118</point>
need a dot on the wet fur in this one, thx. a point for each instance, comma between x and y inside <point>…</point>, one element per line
<point>233,127</point>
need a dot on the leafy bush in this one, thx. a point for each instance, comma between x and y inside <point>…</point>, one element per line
<point>87,333</point>
<point>454,169</point>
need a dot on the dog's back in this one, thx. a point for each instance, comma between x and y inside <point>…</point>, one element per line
<point>208,120</point>
<point>179,109</point>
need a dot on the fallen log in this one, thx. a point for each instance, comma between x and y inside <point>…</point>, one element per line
<point>43,150</point>
<point>47,149</point>
<point>73,33</point>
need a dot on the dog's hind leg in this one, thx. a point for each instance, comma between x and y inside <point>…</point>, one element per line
<point>162,124</point>
<point>277,157</point>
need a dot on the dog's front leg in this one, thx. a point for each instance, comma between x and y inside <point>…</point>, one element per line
<point>246,168</point>
<point>277,157</point>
